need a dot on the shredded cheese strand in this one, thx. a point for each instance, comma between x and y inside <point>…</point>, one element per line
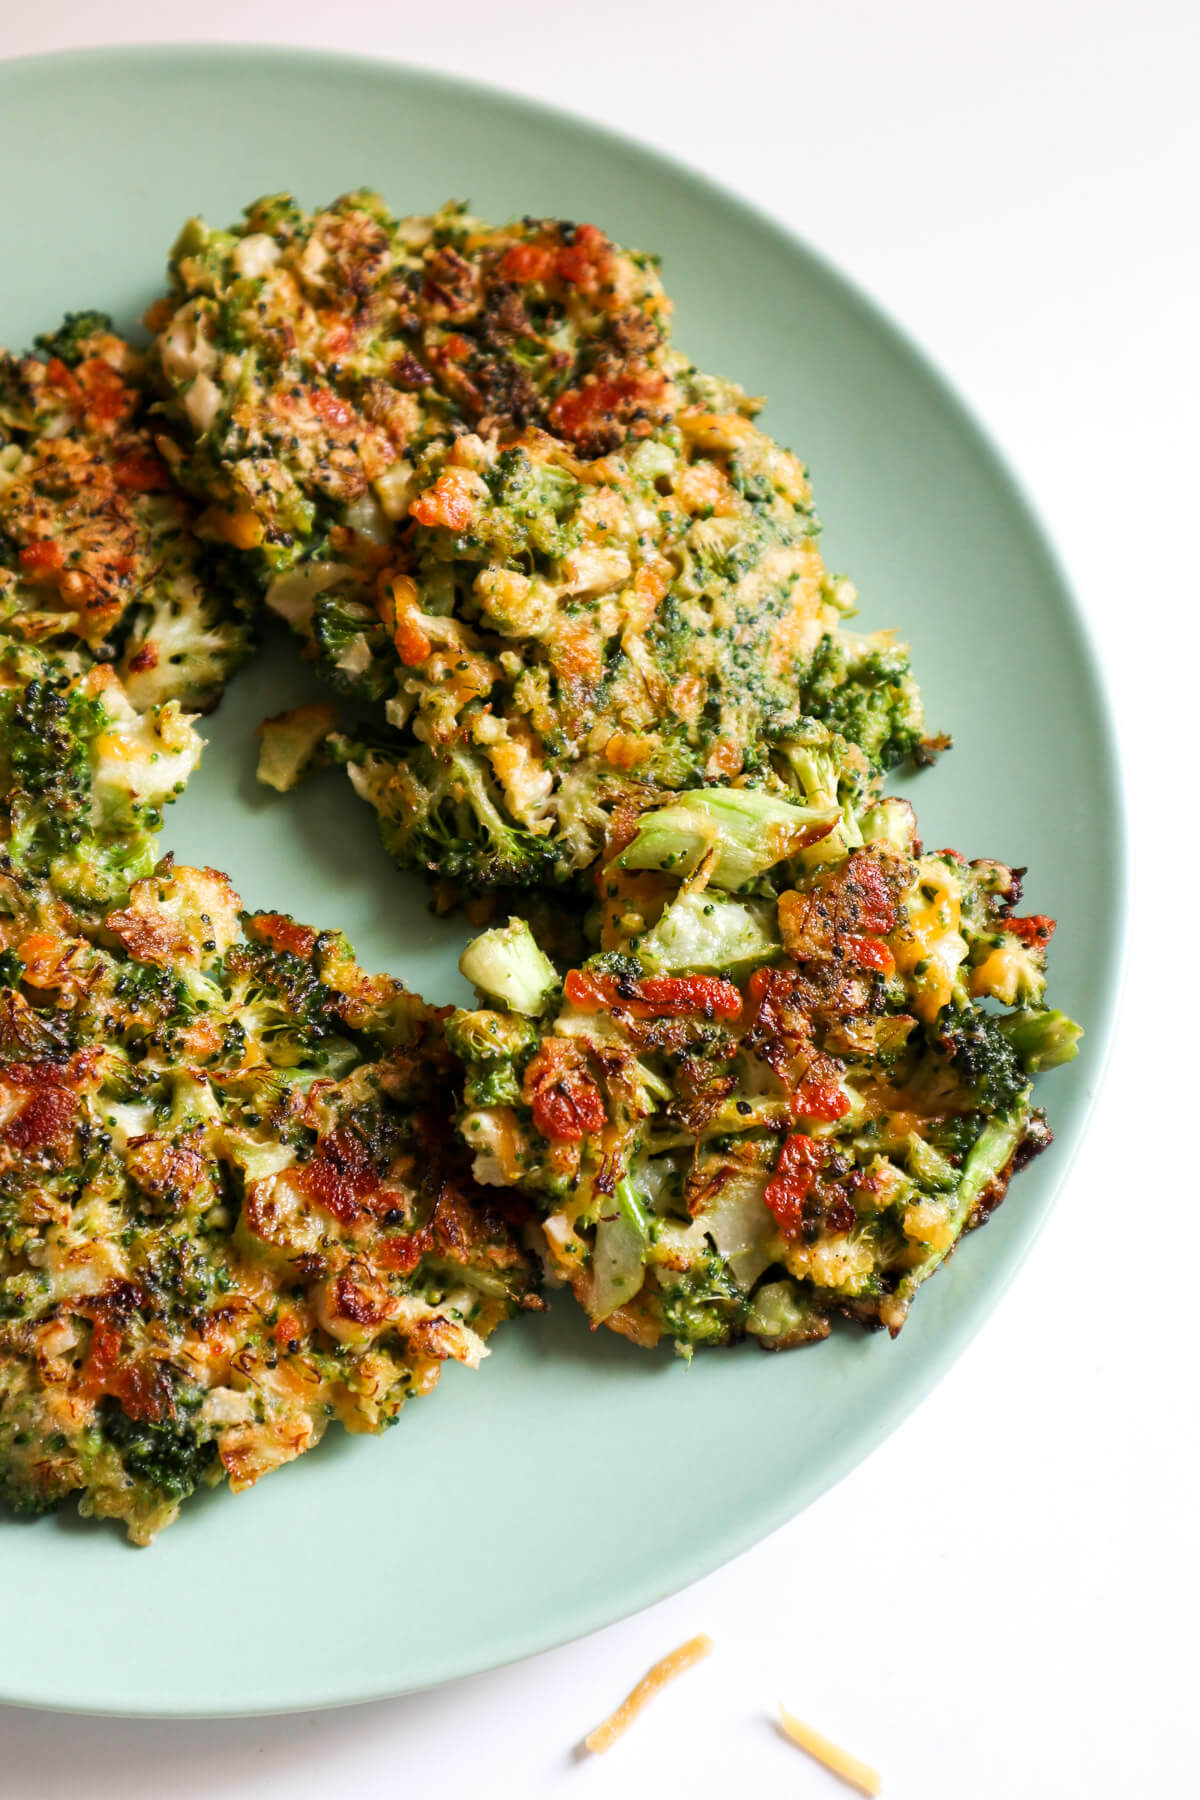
<point>839,1762</point>
<point>607,1733</point>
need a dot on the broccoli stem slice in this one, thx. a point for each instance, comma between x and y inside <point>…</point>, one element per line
<point>632,1207</point>
<point>1042,1039</point>
<point>742,830</point>
<point>993,1149</point>
<point>506,964</point>
<point>712,936</point>
<point>619,1253</point>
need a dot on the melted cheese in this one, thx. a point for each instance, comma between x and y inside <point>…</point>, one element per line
<point>664,1671</point>
<point>932,943</point>
<point>1007,973</point>
<point>839,1762</point>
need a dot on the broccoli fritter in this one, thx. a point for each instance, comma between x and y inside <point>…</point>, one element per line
<point>231,1204</point>
<point>573,638</point>
<point>98,561</point>
<point>473,476</point>
<point>750,1112</point>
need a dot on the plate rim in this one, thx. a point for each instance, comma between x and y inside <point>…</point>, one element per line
<point>720,1547</point>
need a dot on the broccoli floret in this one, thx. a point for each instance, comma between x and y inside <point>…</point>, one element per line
<point>165,1454</point>
<point>984,1061</point>
<point>862,688</point>
<point>281,1000</point>
<point>440,812</point>
<point>353,651</point>
<point>67,343</point>
<point>829,771</point>
<point>86,778</point>
<point>185,644</point>
<point>704,1305</point>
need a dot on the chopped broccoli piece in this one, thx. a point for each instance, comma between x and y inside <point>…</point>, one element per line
<point>86,778</point>
<point>164,1454</point>
<point>67,342</point>
<point>987,1164</point>
<point>711,935</point>
<point>736,834</point>
<point>1042,1039</point>
<point>441,812</point>
<point>506,965</point>
<point>185,645</point>
<point>291,744</point>
<point>983,1059</point>
<point>862,687</point>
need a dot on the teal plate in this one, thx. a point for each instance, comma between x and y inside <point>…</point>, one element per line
<point>574,1479</point>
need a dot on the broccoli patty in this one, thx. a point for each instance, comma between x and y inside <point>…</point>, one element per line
<point>231,1204</point>
<point>750,1112</point>
<point>98,561</point>
<point>569,639</point>
<point>471,473</point>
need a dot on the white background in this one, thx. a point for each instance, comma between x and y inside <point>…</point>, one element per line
<point>1003,1599</point>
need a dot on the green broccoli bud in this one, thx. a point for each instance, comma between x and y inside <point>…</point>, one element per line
<point>67,343</point>
<point>440,812</point>
<point>862,687</point>
<point>703,1304</point>
<point>983,1059</point>
<point>354,652</point>
<point>166,1454</point>
<point>85,778</point>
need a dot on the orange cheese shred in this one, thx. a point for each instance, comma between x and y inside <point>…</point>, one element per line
<point>606,1734</point>
<point>839,1762</point>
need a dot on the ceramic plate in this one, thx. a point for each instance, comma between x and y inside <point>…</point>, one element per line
<point>574,1478</point>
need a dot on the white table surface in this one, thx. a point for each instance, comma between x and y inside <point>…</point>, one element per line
<point>1003,1599</point>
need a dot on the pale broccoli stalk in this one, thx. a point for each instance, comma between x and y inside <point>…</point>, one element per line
<point>291,744</point>
<point>706,934</point>
<point>506,965</point>
<point>619,1254</point>
<point>737,834</point>
<point>891,821</point>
